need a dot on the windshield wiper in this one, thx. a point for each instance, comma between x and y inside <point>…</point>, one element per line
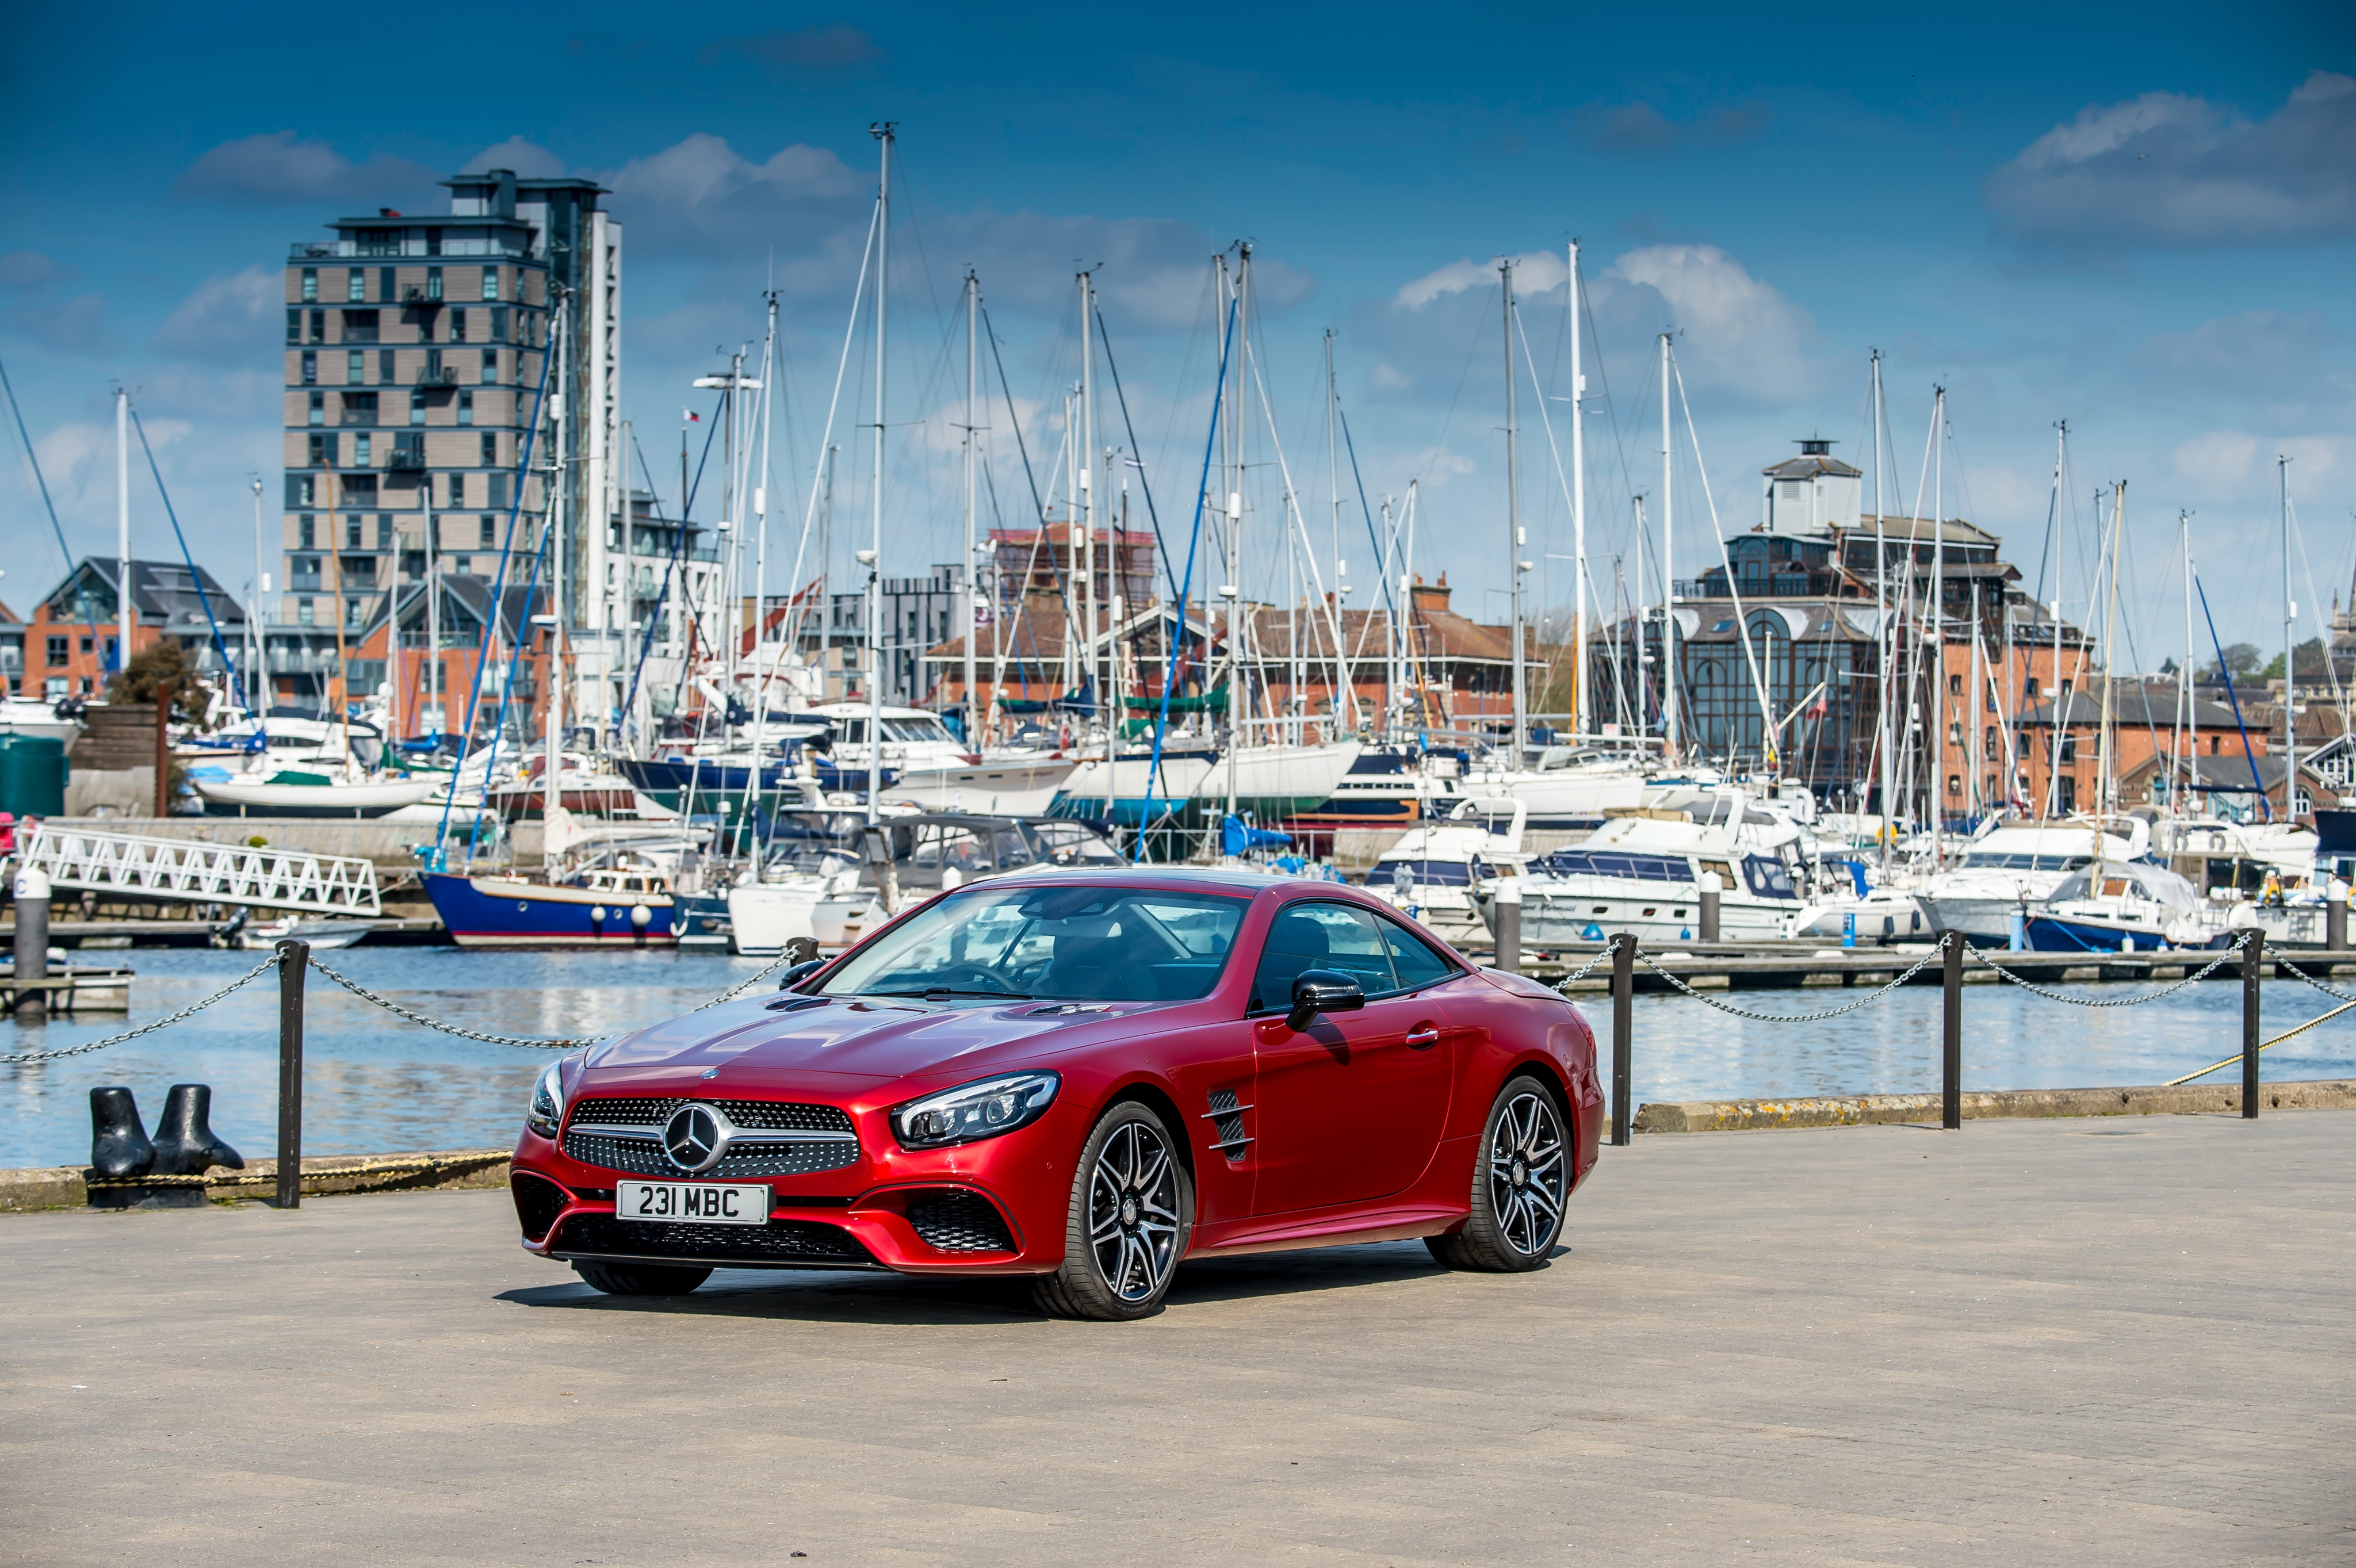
<point>957,991</point>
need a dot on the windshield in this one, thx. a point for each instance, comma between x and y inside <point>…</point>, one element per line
<point>1090,944</point>
<point>1072,844</point>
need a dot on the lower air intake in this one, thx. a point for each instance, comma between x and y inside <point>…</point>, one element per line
<point>956,1220</point>
<point>537,1203</point>
<point>779,1243</point>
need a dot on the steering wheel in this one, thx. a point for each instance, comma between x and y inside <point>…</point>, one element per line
<point>963,977</point>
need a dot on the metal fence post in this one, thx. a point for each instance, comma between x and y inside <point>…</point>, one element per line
<point>294,962</point>
<point>1623,1036</point>
<point>1951,1075</point>
<point>2254,946</point>
<point>1508,908</point>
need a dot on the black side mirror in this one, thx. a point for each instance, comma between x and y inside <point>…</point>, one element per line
<point>800,972</point>
<point>1316,991</point>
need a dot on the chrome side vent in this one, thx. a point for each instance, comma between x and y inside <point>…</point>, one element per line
<point>1227,1116</point>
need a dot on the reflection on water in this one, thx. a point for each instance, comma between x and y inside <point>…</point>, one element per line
<point>373,1084</point>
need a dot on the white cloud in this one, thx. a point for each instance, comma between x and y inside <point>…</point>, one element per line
<point>230,316</point>
<point>1537,271</point>
<point>277,167</point>
<point>528,159</point>
<point>30,269</point>
<point>2168,169</point>
<point>2238,467</point>
<point>1736,332</point>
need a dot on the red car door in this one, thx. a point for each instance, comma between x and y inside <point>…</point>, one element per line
<point>1349,1108</point>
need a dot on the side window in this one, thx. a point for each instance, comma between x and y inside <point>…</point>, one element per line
<point>1417,965</point>
<point>1319,936</point>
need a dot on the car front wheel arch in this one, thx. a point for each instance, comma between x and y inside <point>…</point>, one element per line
<point>1154,1098</point>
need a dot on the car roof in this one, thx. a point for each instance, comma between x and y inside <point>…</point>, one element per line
<point>1224,878</point>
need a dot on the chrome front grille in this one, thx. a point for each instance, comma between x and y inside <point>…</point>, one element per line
<point>773,1138</point>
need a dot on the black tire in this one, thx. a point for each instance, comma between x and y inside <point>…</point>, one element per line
<point>1131,1215</point>
<point>641,1279</point>
<point>1521,1178</point>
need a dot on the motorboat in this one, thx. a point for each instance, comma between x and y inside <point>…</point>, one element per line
<point>1437,872</point>
<point>38,718</point>
<point>1570,788</point>
<point>1384,792</point>
<point>810,882</point>
<point>1641,872</point>
<point>2000,878</point>
<point>1012,782</point>
<point>260,936</point>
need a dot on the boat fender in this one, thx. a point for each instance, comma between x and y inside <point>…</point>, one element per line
<point>640,915</point>
<point>597,915</point>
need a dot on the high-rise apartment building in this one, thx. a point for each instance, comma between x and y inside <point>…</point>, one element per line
<point>450,366</point>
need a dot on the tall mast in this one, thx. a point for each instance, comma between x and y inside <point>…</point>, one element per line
<point>1333,484</point>
<point>1238,705</point>
<point>2189,740</point>
<point>2290,658</point>
<point>2104,784</point>
<point>1513,515</point>
<point>882,132</point>
<point>257,664</point>
<point>1938,632</point>
<point>761,575</point>
<point>1667,570</point>
<point>552,744</point>
<point>1107,704</point>
<point>1887,639</point>
<point>433,618</point>
<point>123,613</point>
<point>1578,725</point>
<point>2056,700</point>
<point>973,710</point>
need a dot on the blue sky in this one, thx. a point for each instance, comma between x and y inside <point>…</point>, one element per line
<point>2139,220</point>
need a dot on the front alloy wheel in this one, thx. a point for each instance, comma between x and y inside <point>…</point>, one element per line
<point>1519,1187</point>
<point>1131,1212</point>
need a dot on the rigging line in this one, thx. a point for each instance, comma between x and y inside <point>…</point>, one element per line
<point>2314,605</point>
<point>1104,336</point>
<point>1471,347</point>
<point>1382,552</point>
<point>39,479</point>
<point>490,621</point>
<point>1750,653</point>
<point>1344,673</point>
<point>1547,419</point>
<point>834,404</point>
<point>203,600</point>
<point>670,568</point>
<point>2248,754</point>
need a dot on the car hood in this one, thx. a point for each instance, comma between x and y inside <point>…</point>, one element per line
<point>844,1042</point>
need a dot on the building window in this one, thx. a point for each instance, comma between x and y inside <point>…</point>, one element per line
<point>352,527</point>
<point>58,645</point>
<point>323,453</point>
<point>490,449</point>
<point>488,535</point>
<point>318,409</point>
<point>360,408</point>
<point>2069,749</point>
<point>417,408</point>
<point>2213,742</point>
<point>409,451</point>
<point>385,290</point>
<point>356,284</point>
<point>433,285</point>
<point>360,491</point>
<point>2065,687</point>
<point>434,366</point>
<point>1989,742</point>
<point>499,325</point>
<point>310,285</point>
<point>306,530</point>
<point>362,455</point>
<point>2028,691</point>
<point>384,530</point>
<point>490,283</point>
<point>359,325</point>
<point>490,367</point>
<point>1954,784</point>
<point>310,367</point>
<point>384,363</point>
<point>299,493</point>
<point>319,327</point>
<point>355,368</point>
<point>498,496</point>
<point>466,408</point>
<point>1955,686</point>
<point>457,326</point>
<point>294,325</point>
<point>457,491</point>
<point>303,612</point>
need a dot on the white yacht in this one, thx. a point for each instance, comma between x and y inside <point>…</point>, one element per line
<point>33,716</point>
<point>2001,877</point>
<point>2112,906</point>
<point>1437,872</point>
<point>1641,872</point>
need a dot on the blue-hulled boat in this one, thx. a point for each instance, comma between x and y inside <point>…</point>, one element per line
<point>607,908</point>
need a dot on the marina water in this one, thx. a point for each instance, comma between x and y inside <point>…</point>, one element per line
<point>373,1084</point>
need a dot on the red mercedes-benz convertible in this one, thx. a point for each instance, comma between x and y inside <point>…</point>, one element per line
<point>1082,1077</point>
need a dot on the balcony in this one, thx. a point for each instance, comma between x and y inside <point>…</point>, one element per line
<point>333,249</point>
<point>416,295</point>
<point>444,376</point>
<point>406,460</point>
<point>1775,585</point>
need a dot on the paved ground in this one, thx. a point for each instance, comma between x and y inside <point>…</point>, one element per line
<point>2026,1342</point>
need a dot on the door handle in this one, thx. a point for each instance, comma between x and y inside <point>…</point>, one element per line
<point>1422,1036</point>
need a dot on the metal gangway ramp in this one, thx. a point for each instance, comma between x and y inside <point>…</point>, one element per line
<point>138,867</point>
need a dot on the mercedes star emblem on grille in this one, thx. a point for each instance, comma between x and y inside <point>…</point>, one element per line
<point>696,1137</point>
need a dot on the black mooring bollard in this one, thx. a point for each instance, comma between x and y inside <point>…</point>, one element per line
<point>294,961</point>
<point>119,1148</point>
<point>1623,1036</point>
<point>2253,948</point>
<point>184,1142</point>
<point>1951,1074</point>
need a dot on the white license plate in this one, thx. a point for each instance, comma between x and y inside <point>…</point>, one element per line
<point>705,1203</point>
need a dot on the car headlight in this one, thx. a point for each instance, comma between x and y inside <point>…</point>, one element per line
<point>547,1110</point>
<point>974,1111</point>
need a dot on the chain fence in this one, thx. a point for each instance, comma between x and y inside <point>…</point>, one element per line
<point>191,1010</point>
<point>2226,957</point>
<point>1871,997</point>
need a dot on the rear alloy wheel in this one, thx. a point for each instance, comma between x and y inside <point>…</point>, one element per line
<point>1131,1212</point>
<point>1518,1186</point>
<point>639,1279</point>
